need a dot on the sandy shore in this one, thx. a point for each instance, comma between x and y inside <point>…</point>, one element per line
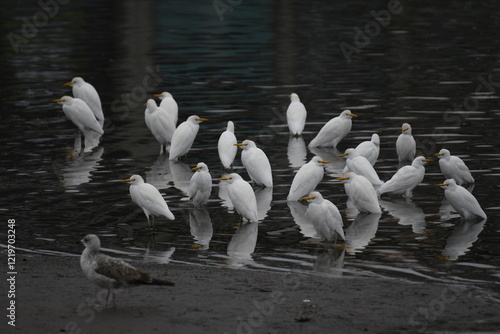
<point>53,296</point>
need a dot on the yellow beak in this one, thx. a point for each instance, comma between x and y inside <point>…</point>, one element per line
<point>441,184</point>
<point>307,198</point>
<point>195,168</point>
<point>428,160</point>
<point>342,155</point>
<point>342,178</point>
<point>157,95</point>
<point>68,84</point>
<point>240,144</point>
<point>202,119</point>
<point>438,154</point>
<point>57,100</point>
<point>225,178</point>
<point>127,180</point>
<point>352,115</point>
<point>324,162</point>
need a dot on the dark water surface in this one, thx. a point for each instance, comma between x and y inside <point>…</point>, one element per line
<point>434,65</point>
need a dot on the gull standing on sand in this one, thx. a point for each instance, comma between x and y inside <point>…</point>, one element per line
<point>256,163</point>
<point>325,217</point>
<point>334,131</point>
<point>80,114</point>
<point>111,273</point>
<point>200,185</point>
<point>226,146</point>
<point>461,200</point>
<point>170,105</point>
<point>361,193</point>
<point>160,123</point>
<point>85,91</point>
<point>453,167</point>
<point>183,137</point>
<point>406,178</point>
<point>242,197</point>
<point>405,144</point>
<point>148,198</point>
<point>296,115</point>
<point>307,178</point>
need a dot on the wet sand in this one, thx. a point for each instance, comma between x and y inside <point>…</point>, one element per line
<point>53,296</point>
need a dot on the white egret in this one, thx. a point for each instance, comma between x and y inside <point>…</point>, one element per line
<point>453,167</point>
<point>147,197</point>
<point>296,115</point>
<point>160,123</point>
<point>111,273</point>
<point>334,131</point>
<point>242,197</point>
<point>85,91</point>
<point>405,144</point>
<point>200,186</point>
<point>370,149</point>
<point>360,165</point>
<point>307,178</point>
<point>406,178</point>
<point>461,200</point>
<point>168,103</point>
<point>361,193</point>
<point>256,163</point>
<point>184,136</point>
<point>80,114</point>
<point>226,148</point>
<point>325,217</point>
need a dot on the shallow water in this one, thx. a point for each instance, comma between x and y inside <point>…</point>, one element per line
<point>435,65</point>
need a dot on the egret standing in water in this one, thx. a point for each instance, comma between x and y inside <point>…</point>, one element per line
<point>80,114</point>
<point>334,131</point>
<point>453,167</point>
<point>183,137</point>
<point>370,149</point>
<point>405,144</point>
<point>200,185</point>
<point>325,217</point>
<point>361,193</point>
<point>406,178</point>
<point>461,200</point>
<point>226,146</point>
<point>296,115</point>
<point>148,198</point>
<point>160,123</point>
<point>170,105</point>
<point>85,91</point>
<point>360,165</point>
<point>256,163</point>
<point>307,178</point>
<point>242,197</point>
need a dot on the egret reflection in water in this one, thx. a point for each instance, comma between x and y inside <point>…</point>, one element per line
<point>463,236</point>
<point>407,212</point>
<point>242,244</point>
<point>361,231</point>
<point>201,227</point>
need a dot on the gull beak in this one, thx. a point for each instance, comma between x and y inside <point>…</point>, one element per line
<point>307,198</point>
<point>342,155</point>
<point>68,84</point>
<point>224,178</point>
<point>195,168</point>
<point>324,162</point>
<point>127,180</point>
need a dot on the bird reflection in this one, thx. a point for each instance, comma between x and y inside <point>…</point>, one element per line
<point>161,257</point>
<point>223,194</point>
<point>336,165</point>
<point>330,261</point>
<point>297,152</point>
<point>181,175</point>
<point>264,197</point>
<point>201,227</point>
<point>408,213</point>
<point>462,238</point>
<point>242,245</point>
<point>80,167</point>
<point>298,211</point>
<point>159,173</point>
<point>361,231</point>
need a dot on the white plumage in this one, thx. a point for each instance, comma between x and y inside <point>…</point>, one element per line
<point>80,114</point>
<point>325,217</point>
<point>361,193</point>
<point>453,167</point>
<point>307,178</point>
<point>183,137</point>
<point>256,163</point>
<point>296,115</point>
<point>405,144</point>
<point>370,149</point>
<point>406,178</point>
<point>170,105</point>
<point>160,123</point>
<point>226,146</point>
<point>360,165</point>
<point>461,200</point>
<point>200,185</point>
<point>147,197</point>
<point>85,91</point>
<point>242,197</point>
<point>334,131</point>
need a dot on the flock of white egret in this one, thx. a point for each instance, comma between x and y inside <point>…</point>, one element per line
<point>361,181</point>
